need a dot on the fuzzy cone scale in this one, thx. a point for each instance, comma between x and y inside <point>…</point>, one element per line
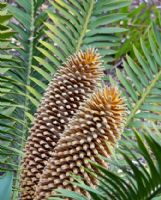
<point>92,132</point>
<point>68,89</point>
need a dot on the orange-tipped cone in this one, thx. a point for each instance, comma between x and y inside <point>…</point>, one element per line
<point>70,86</point>
<point>92,131</point>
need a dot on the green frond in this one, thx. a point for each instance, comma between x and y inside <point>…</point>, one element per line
<point>21,89</point>
<point>75,25</point>
<point>140,81</point>
<point>29,27</point>
<point>137,23</point>
<point>6,34</point>
<point>6,64</point>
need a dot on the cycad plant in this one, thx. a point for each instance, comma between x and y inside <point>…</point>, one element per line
<point>41,38</point>
<point>140,171</point>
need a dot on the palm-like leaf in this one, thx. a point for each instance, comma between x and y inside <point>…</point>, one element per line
<point>28,24</point>
<point>7,62</point>
<point>137,24</point>
<point>19,97</point>
<point>6,34</point>
<point>78,24</point>
<point>142,180</point>
<point>141,84</point>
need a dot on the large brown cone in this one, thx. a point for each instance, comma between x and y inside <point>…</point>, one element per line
<point>95,128</point>
<point>70,86</point>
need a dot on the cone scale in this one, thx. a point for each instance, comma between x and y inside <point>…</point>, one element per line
<point>92,132</point>
<point>69,88</point>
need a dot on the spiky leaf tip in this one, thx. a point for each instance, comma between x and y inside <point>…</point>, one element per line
<point>92,132</point>
<point>69,88</point>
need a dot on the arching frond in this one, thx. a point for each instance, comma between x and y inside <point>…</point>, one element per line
<point>19,96</point>
<point>75,25</point>
<point>141,82</point>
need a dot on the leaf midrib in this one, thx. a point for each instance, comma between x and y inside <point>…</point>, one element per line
<point>155,193</point>
<point>141,101</point>
<point>26,102</point>
<point>86,21</point>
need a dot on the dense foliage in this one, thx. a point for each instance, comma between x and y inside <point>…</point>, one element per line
<point>36,38</point>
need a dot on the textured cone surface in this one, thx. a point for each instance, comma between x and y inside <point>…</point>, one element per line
<point>69,87</point>
<point>92,132</point>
